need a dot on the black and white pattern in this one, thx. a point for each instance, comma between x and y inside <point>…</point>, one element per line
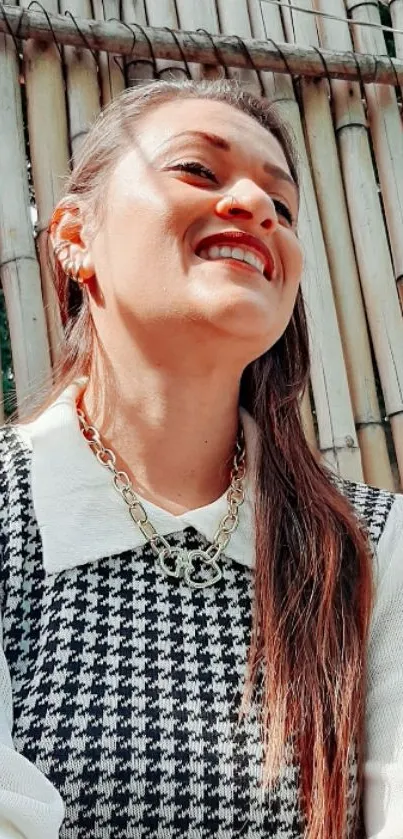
<point>127,686</point>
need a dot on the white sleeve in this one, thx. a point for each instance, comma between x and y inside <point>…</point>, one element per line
<point>30,806</point>
<point>383,768</point>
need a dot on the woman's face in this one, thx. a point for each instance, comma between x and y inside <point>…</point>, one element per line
<point>198,246</point>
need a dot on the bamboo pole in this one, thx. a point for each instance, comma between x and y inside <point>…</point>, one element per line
<point>83,95</point>
<point>386,131</point>
<point>322,148</point>
<point>337,436</point>
<point>47,126</point>
<point>134,12</point>
<point>197,46</point>
<point>18,264</point>
<point>195,15</point>
<point>234,18</point>
<point>112,76</point>
<point>369,235</point>
<point>396,12</point>
<point>164,13</point>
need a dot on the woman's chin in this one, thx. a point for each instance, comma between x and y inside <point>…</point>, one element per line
<point>256,328</point>
<point>254,312</point>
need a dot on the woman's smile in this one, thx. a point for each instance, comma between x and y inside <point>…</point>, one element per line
<point>209,198</point>
<point>239,248</point>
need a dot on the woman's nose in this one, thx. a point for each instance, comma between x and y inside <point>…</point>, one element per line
<point>248,202</point>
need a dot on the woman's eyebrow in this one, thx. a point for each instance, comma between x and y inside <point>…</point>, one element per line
<point>220,143</point>
<point>212,139</point>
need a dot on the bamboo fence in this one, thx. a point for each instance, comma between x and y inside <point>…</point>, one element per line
<point>331,79</point>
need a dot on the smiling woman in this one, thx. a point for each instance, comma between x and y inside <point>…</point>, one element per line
<point>179,187</point>
<point>195,635</point>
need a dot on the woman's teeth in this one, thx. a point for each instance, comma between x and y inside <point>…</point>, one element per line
<point>240,254</point>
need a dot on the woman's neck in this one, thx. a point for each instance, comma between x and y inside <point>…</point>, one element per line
<point>174,436</point>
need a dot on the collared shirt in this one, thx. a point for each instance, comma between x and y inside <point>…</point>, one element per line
<point>67,477</point>
<point>84,530</point>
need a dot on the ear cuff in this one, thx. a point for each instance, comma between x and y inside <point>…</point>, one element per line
<point>61,246</point>
<point>68,265</point>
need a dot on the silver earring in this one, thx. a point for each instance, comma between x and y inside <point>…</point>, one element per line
<point>70,269</point>
<point>61,246</point>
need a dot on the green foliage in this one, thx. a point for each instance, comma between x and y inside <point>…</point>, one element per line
<point>387,21</point>
<point>6,361</point>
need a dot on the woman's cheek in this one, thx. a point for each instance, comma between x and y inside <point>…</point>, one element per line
<point>292,257</point>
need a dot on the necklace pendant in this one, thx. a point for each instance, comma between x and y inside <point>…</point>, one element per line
<point>191,565</point>
<point>198,568</point>
<point>173,561</point>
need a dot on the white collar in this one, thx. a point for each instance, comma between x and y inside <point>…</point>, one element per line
<point>81,516</point>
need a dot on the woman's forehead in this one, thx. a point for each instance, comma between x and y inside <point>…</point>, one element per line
<point>185,121</point>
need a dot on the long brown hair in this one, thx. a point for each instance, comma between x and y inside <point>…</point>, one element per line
<point>313,586</point>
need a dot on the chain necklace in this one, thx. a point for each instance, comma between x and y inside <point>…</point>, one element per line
<point>199,568</point>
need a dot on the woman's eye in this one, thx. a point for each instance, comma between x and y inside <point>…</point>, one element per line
<point>196,169</point>
<point>282,210</point>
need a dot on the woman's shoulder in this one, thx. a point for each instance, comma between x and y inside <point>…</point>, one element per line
<point>15,480</point>
<point>15,458</point>
<point>381,513</point>
<point>15,442</point>
<point>371,504</point>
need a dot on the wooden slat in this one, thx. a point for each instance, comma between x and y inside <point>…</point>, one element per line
<point>234,18</point>
<point>385,126</point>
<point>396,10</point>
<point>194,15</point>
<point>83,95</point>
<point>163,13</point>
<point>111,76</point>
<point>337,436</point>
<point>323,153</point>
<point>19,267</point>
<point>47,126</point>
<point>134,12</point>
<point>369,234</point>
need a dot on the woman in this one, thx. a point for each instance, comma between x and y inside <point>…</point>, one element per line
<point>202,630</point>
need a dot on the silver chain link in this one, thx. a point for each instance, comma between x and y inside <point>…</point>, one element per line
<point>159,545</point>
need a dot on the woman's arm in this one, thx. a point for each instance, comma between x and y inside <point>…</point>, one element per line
<point>383,770</point>
<point>30,806</point>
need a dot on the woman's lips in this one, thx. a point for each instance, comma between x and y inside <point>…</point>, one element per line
<point>239,241</point>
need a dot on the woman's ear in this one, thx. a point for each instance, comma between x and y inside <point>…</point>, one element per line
<point>69,248</point>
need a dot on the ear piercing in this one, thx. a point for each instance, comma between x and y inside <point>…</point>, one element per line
<point>61,246</point>
<point>70,267</point>
<point>77,268</point>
